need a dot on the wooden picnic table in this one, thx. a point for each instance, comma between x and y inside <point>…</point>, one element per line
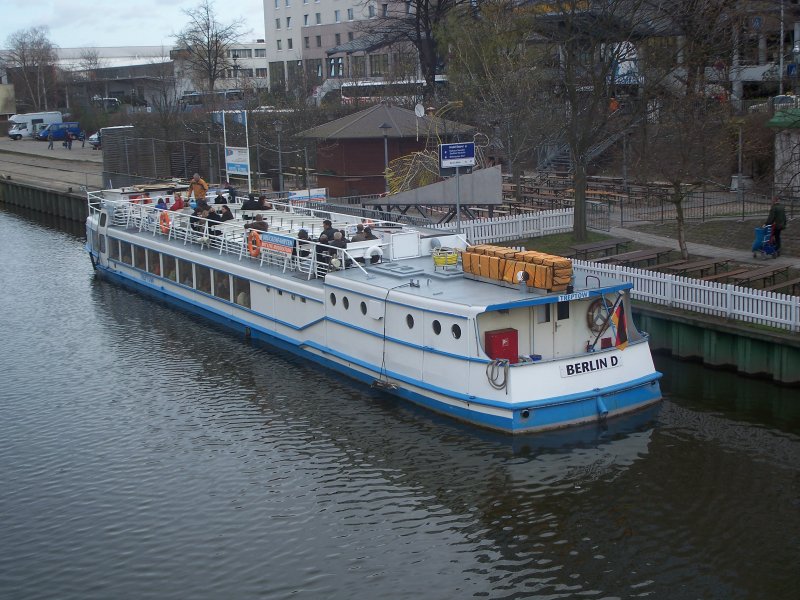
<point>629,258</point>
<point>725,274</point>
<point>698,265</point>
<point>762,274</point>
<point>584,250</point>
<point>793,286</point>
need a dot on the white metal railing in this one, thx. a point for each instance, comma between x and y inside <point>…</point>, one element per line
<point>705,297</point>
<point>231,237</point>
<point>515,227</point>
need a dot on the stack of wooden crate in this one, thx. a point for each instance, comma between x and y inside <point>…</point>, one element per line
<point>545,271</point>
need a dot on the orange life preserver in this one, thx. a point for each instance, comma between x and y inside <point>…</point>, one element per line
<point>254,243</point>
<point>164,222</point>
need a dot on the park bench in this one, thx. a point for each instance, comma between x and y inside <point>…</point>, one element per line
<point>584,250</point>
<point>763,274</point>
<point>629,258</point>
<point>792,284</point>
<point>697,265</point>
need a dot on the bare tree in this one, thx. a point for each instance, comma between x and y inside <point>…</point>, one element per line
<point>205,42</point>
<point>30,61</point>
<point>500,78</point>
<point>415,23</point>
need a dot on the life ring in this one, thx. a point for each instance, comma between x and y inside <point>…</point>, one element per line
<point>597,315</point>
<point>374,253</point>
<point>254,243</point>
<point>164,222</point>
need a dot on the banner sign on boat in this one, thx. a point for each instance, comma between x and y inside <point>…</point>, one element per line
<point>297,197</point>
<point>237,161</point>
<point>457,155</point>
<point>277,242</point>
<point>581,367</point>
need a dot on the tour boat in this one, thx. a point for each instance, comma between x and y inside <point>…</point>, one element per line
<point>510,340</point>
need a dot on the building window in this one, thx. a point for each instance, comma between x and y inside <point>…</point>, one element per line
<point>349,36</point>
<point>242,53</point>
<point>306,43</point>
<point>277,3</point>
<point>318,17</point>
<point>337,16</point>
<point>349,14</point>
<point>338,38</point>
<point>289,44</point>
<point>319,41</point>
<point>277,23</point>
<point>305,20</point>
<point>260,53</point>
<point>261,73</point>
<point>288,3</point>
<point>371,10</point>
<point>280,47</point>
<point>379,65</point>
<point>336,67</point>
<point>384,10</point>
<point>288,22</point>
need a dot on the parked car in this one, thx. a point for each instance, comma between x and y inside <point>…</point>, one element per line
<point>94,140</point>
<point>60,131</point>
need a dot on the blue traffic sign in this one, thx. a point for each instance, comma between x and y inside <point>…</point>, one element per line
<point>457,155</point>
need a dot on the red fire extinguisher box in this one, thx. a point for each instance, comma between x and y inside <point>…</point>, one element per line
<point>503,343</point>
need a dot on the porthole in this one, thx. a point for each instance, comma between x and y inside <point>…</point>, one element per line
<point>346,303</point>
<point>437,327</point>
<point>333,299</point>
<point>410,321</point>
<point>456,330</point>
<point>363,308</point>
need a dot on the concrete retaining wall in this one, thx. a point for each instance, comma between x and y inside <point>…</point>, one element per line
<point>61,204</point>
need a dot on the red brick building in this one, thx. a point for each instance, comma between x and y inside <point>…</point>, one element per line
<point>351,151</point>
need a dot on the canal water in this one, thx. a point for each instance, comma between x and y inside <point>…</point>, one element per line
<point>147,454</point>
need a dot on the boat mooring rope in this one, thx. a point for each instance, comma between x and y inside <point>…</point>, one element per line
<point>493,371</point>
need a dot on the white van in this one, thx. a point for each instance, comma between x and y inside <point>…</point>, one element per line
<point>28,125</point>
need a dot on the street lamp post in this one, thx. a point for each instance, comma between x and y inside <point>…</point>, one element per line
<point>385,127</point>
<point>278,129</point>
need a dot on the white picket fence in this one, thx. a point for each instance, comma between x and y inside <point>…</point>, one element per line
<point>518,227</point>
<point>704,297</point>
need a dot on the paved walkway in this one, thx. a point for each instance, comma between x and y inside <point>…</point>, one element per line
<point>740,256</point>
<point>59,169</point>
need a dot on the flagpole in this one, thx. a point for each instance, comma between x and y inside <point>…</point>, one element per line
<point>225,149</point>
<point>247,143</point>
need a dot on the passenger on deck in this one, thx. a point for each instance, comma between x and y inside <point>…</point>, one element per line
<point>257,223</point>
<point>161,205</point>
<point>302,244</point>
<point>249,205</point>
<point>231,192</point>
<point>359,236</point>
<point>323,252</point>
<point>198,188</point>
<point>178,204</point>
<point>339,240</point>
<point>197,220</point>
<point>213,217</point>
<point>220,199</point>
<point>368,235</point>
<point>263,204</point>
<point>225,213</point>
<point>327,229</point>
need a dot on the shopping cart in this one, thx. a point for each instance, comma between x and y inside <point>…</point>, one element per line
<point>763,243</point>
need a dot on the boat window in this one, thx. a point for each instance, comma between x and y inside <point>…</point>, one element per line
<point>138,258</point>
<point>363,308</point>
<point>153,262</point>
<point>410,321</point>
<point>113,248</point>
<point>102,244</point>
<point>169,270</point>
<point>543,314</point>
<point>437,327</point>
<point>185,273</point>
<point>241,291</point>
<point>127,257</point>
<point>346,303</point>
<point>333,299</point>
<point>562,311</point>
<point>456,330</point>
<point>103,217</point>
<point>222,285</point>
<point>202,278</point>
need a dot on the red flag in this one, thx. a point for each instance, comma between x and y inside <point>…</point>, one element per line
<point>620,327</point>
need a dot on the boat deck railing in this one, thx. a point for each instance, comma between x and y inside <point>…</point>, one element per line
<point>233,237</point>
